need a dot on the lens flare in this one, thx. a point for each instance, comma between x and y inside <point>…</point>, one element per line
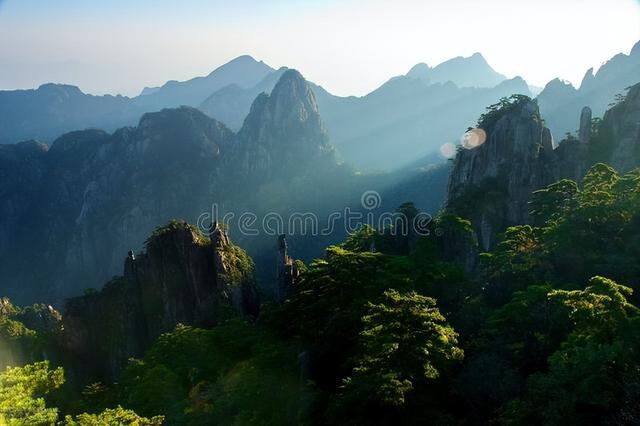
<point>473,138</point>
<point>448,150</point>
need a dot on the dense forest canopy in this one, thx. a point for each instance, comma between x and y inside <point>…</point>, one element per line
<point>547,332</point>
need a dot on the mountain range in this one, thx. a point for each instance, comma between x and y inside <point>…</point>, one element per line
<point>407,117</point>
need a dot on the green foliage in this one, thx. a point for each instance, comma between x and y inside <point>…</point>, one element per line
<point>405,341</point>
<point>339,312</point>
<point>22,391</point>
<point>488,196</point>
<point>555,201</point>
<point>494,112</point>
<point>22,401</point>
<point>113,417</point>
<point>519,260</point>
<point>378,336</point>
<point>10,327</point>
<point>172,226</point>
<point>240,264</point>
<point>235,373</point>
<point>587,230</point>
<point>583,384</point>
<point>361,240</point>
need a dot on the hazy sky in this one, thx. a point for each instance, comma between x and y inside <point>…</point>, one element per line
<point>347,46</point>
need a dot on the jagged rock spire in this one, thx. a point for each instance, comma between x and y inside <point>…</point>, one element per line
<point>287,272</point>
<point>584,133</point>
<point>218,236</point>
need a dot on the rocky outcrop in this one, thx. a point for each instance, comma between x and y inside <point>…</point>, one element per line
<point>621,125</point>
<point>584,131</point>
<point>491,184</point>
<point>182,276</point>
<point>288,273</point>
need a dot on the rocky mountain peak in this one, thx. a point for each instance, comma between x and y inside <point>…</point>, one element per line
<point>60,89</point>
<point>181,132</point>
<point>283,130</point>
<point>557,85</point>
<point>472,71</point>
<point>419,71</point>
<point>292,99</point>
<point>587,80</point>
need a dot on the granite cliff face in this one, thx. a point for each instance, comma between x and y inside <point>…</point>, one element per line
<point>94,195</point>
<point>622,125</point>
<point>491,184</point>
<point>182,276</point>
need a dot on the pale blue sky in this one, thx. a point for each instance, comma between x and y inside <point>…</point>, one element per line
<point>348,46</point>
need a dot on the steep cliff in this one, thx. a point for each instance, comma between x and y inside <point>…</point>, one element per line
<point>491,184</point>
<point>621,125</point>
<point>182,276</point>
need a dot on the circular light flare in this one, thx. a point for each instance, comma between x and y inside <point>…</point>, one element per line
<point>448,150</point>
<point>473,138</point>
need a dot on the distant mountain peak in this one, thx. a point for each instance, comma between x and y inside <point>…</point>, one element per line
<point>291,103</point>
<point>243,71</point>
<point>587,79</point>
<point>472,71</point>
<point>283,132</point>
<point>293,93</point>
<point>244,58</point>
<point>635,50</point>
<point>420,71</point>
<point>557,83</point>
<point>66,88</point>
<point>243,61</point>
